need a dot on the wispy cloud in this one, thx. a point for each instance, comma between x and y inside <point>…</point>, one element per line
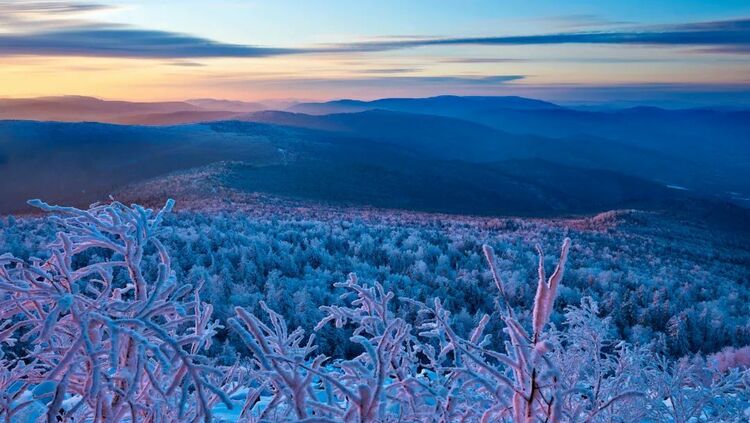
<point>186,64</point>
<point>64,28</point>
<point>419,80</point>
<point>386,70</point>
<point>728,35</point>
<point>403,37</point>
<point>383,81</point>
<point>481,60</point>
<point>26,16</point>
<point>583,20</point>
<point>567,59</point>
<point>125,42</point>
<point>370,82</point>
<point>45,7</point>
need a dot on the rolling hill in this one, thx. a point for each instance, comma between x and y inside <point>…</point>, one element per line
<point>83,162</point>
<point>90,109</point>
<point>450,138</point>
<point>713,144</point>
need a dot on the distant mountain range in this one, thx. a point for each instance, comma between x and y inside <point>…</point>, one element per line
<point>706,150</point>
<point>484,155</point>
<point>446,105</point>
<point>89,109</point>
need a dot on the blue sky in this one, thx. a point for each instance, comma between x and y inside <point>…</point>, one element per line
<point>294,22</point>
<point>251,50</point>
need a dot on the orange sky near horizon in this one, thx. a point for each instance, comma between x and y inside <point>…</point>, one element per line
<point>287,50</point>
<point>311,77</point>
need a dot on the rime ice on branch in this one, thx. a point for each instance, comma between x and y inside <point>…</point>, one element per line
<point>375,386</point>
<point>431,374</point>
<point>107,350</point>
<point>521,384</point>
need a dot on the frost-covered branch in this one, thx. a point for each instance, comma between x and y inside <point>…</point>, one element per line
<point>103,338</point>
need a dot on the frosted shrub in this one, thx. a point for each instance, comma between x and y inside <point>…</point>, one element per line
<point>82,346</point>
<point>731,358</point>
<point>524,383</point>
<point>688,390</point>
<point>605,378</point>
<point>378,385</point>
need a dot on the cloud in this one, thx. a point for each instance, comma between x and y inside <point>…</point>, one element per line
<point>387,70</point>
<point>29,16</point>
<point>726,49</point>
<point>584,20</point>
<point>45,7</point>
<point>481,60</point>
<point>134,43</point>
<point>728,35</point>
<point>292,83</point>
<point>186,64</point>
<point>403,37</point>
<point>62,28</point>
<point>409,80</point>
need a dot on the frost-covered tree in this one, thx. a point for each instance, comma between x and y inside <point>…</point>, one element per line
<point>91,337</point>
<point>643,269</point>
<point>689,390</point>
<point>531,380</point>
<point>380,384</point>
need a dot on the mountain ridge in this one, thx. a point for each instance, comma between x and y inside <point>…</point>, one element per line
<point>69,162</point>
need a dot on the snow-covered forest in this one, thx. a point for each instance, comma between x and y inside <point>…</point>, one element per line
<point>134,315</point>
<point>674,285</point>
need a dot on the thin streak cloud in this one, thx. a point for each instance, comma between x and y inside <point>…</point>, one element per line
<point>386,70</point>
<point>36,16</point>
<point>387,80</point>
<point>133,43</point>
<point>729,35</point>
<point>481,60</point>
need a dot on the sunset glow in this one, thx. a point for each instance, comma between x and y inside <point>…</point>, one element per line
<point>271,50</point>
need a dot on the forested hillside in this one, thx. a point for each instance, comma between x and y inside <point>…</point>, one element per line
<point>86,162</point>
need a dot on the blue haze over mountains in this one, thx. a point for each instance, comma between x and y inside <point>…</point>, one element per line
<point>470,155</point>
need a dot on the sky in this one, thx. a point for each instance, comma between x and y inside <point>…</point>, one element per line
<point>588,51</point>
